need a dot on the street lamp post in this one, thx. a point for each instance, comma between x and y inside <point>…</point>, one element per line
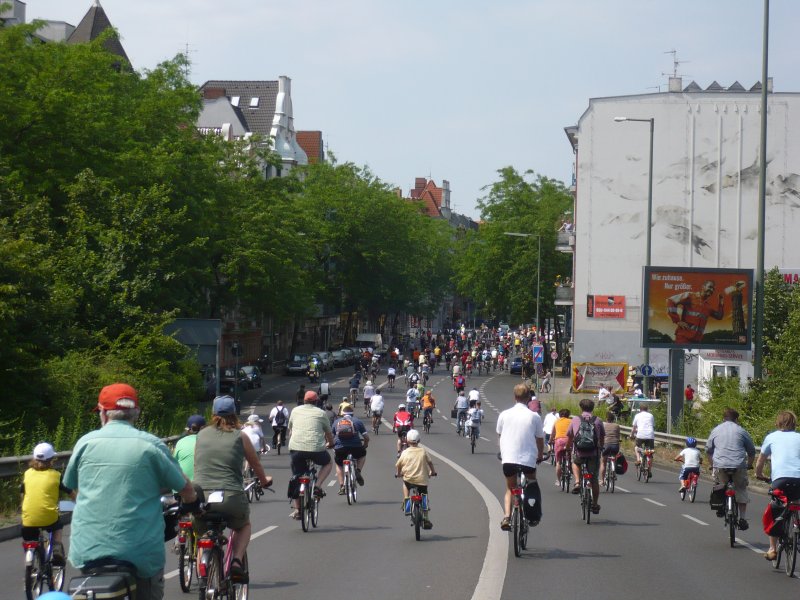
<point>649,227</point>
<point>538,282</point>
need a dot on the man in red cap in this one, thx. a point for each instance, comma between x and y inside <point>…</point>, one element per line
<point>118,472</point>
<point>310,436</point>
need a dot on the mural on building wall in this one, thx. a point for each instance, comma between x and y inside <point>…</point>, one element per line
<point>697,308</point>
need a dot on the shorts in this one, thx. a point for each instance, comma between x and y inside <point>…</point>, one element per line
<point>31,534</point>
<point>510,469</point>
<point>299,458</point>
<point>592,462</point>
<point>422,489</point>
<point>234,506</point>
<point>649,444</point>
<point>390,377</point>
<point>685,472</point>
<point>560,447</point>
<point>740,483</point>
<point>340,454</point>
<point>377,413</point>
<point>612,450</point>
<point>402,431</point>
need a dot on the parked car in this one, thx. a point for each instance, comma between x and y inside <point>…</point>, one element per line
<point>326,360</point>
<point>340,358</point>
<point>515,368</point>
<point>252,376</point>
<point>228,384</point>
<point>297,364</point>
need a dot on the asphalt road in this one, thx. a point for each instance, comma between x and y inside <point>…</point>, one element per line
<point>644,543</point>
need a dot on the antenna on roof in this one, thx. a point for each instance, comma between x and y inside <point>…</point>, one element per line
<point>654,87</point>
<point>185,53</point>
<point>675,63</point>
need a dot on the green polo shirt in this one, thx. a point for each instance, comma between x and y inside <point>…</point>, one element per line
<point>184,454</point>
<point>119,473</point>
<point>308,425</point>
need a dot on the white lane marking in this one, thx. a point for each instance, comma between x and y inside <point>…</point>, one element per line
<point>263,531</point>
<point>751,547</point>
<point>691,518</point>
<point>331,483</point>
<point>485,439</point>
<point>653,502</point>
<point>622,489</point>
<point>171,574</point>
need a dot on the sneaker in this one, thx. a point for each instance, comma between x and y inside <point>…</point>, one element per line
<point>533,523</point>
<point>681,489</point>
<point>505,524</point>
<point>427,524</point>
<point>596,509</point>
<point>743,525</point>
<point>720,513</point>
<point>341,490</point>
<point>295,514</point>
<point>319,492</point>
<point>576,489</point>
<point>58,554</point>
<point>558,484</point>
<point>359,477</point>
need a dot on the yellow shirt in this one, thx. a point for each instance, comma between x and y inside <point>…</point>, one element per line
<point>561,427</point>
<point>40,503</point>
<point>413,465</point>
<point>428,401</point>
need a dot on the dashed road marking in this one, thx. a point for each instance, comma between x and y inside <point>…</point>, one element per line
<point>691,518</point>
<point>750,546</point>
<point>653,502</point>
<point>622,489</point>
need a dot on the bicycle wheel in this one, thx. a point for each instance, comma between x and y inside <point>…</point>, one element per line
<point>515,528</point>
<point>305,510</point>
<point>589,504</point>
<point>416,517</point>
<point>55,579</point>
<point>776,562</point>
<point>34,575</point>
<point>348,483</point>
<point>791,552</point>
<point>692,491</point>
<point>250,491</point>
<point>523,534</point>
<point>472,439</point>
<point>314,511</point>
<point>186,565</point>
<point>353,488</point>
<point>280,443</point>
<point>639,471</point>
<point>240,590</point>
<point>733,517</point>
<point>213,580</point>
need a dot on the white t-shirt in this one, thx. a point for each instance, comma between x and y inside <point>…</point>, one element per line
<point>644,422</point>
<point>691,457</point>
<point>369,391</point>
<point>549,421</point>
<point>376,404</point>
<point>412,394</point>
<point>518,429</point>
<point>475,415</point>
<point>474,395</point>
<point>274,412</point>
<point>391,372</point>
<point>255,434</point>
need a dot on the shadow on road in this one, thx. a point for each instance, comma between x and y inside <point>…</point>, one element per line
<point>559,554</point>
<point>272,586</point>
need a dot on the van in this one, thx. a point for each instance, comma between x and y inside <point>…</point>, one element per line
<point>370,340</point>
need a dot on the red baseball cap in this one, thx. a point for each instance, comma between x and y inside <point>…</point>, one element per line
<point>117,396</point>
<point>310,396</point>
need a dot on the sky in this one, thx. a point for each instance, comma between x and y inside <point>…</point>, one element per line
<point>454,89</point>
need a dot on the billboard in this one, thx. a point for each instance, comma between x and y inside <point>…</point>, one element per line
<point>588,377</point>
<point>697,308</point>
<point>605,307</point>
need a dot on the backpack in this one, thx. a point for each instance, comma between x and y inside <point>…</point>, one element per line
<point>280,418</point>
<point>586,438</point>
<point>345,428</point>
<point>460,381</point>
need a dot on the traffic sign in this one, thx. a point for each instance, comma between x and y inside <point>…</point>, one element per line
<point>554,355</point>
<point>646,370</point>
<point>538,354</point>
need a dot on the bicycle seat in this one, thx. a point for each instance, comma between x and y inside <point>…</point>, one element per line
<point>108,564</point>
<point>729,471</point>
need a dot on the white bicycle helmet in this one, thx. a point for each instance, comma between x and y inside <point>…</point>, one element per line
<point>412,436</point>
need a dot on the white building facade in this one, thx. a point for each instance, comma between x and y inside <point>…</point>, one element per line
<point>705,199</point>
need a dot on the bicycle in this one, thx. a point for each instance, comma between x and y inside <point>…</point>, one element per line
<point>645,466</point>
<point>731,507</point>
<point>546,387</point>
<point>426,422</point>
<point>462,419</point>
<point>252,487</point>
<point>566,471</point>
<point>214,564</point>
<point>473,437</point>
<point>391,382</point>
<point>551,452</point>
<point>187,553</point>
<point>586,494</point>
<point>350,483</point>
<point>519,524</point>
<point>419,506</point>
<point>789,540</point>
<point>280,437</point>
<point>610,476</point>
<point>376,422</point>
<point>367,407</point>
<point>309,502</point>
<point>39,567</point>
<point>693,479</point>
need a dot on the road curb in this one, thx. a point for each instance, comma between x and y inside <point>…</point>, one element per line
<point>10,532</point>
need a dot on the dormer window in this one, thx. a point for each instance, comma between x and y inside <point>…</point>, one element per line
<point>254,102</point>
<point>234,100</point>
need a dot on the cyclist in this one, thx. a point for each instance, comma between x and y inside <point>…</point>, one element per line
<point>118,473</point>
<point>184,447</point>
<point>376,406</point>
<point>428,404</point>
<point>413,378</point>
<point>369,392</point>
<point>403,422</point>
<point>473,396</point>
<point>252,428</point>
<point>278,417</point>
<point>560,440</point>
<point>354,384</point>
<point>589,456</point>
<point>311,435</point>
<point>415,467</point>
<point>547,426</point>
<point>474,418</point>
<point>345,402</point>
<point>546,380</point>
<point>461,406</point>
<point>691,459</point>
<point>459,383</point>
<point>350,437</point>
<point>390,376</point>
<point>41,486</point>
<point>220,451</point>
<point>612,441</point>
<point>782,447</point>
<point>521,446</point>
<point>412,399</point>
<point>643,431</point>
<point>729,446</point>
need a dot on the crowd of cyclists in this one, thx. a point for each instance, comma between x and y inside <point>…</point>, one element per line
<point>218,455</point>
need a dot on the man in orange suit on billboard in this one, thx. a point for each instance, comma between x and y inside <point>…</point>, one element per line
<point>690,312</point>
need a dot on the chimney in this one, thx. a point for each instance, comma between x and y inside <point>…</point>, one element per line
<point>445,193</point>
<point>212,93</point>
<point>419,183</point>
<point>675,84</point>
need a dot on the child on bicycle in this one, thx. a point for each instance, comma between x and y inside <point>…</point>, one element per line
<point>474,417</point>
<point>691,459</point>
<point>415,467</point>
<point>41,487</point>
<point>560,429</point>
<point>428,404</point>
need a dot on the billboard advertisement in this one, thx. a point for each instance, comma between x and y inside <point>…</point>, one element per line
<point>697,308</point>
<point>605,307</point>
<point>588,377</point>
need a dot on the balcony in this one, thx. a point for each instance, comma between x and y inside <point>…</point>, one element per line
<point>565,241</point>
<point>565,296</point>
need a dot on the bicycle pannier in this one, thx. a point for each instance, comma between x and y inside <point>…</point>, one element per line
<point>621,464</point>
<point>294,488</point>
<point>775,519</point>
<point>717,499</point>
<point>454,413</point>
<point>533,502</point>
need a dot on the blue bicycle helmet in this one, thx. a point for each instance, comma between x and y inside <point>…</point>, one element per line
<point>691,442</point>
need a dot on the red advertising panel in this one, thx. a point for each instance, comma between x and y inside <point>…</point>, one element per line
<point>605,307</point>
<point>697,308</point>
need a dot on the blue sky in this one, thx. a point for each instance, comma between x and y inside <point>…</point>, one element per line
<point>454,89</point>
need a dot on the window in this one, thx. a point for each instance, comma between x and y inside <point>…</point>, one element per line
<point>254,102</point>
<point>235,100</point>
<point>725,371</point>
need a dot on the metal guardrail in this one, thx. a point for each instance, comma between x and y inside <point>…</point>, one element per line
<point>667,438</point>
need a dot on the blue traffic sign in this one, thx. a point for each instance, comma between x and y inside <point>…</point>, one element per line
<point>646,370</point>
<point>538,354</point>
